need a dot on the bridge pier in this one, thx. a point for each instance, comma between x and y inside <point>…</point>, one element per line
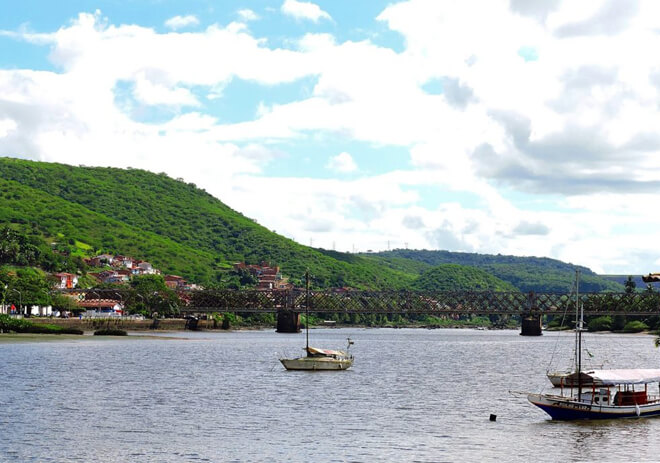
<point>530,325</point>
<point>288,322</point>
<point>192,323</point>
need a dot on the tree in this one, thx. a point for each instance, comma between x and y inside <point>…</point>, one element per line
<point>17,248</point>
<point>64,303</point>
<point>150,295</point>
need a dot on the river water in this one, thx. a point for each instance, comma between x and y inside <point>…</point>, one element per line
<point>412,395</point>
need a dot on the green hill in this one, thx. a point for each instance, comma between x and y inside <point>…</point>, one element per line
<point>181,229</point>
<point>175,225</point>
<point>539,274</point>
<point>454,277</point>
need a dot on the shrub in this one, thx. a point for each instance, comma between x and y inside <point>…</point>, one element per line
<point>635,326</point>
<point>600,324</point>
<point>110,332</point>
<point>23,326</point>
<point>618,322</point>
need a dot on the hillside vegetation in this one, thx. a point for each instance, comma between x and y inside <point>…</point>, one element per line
<point>539,274</point>
<point>176,226</point>
<point>454,277</point>
<point>181,229</point>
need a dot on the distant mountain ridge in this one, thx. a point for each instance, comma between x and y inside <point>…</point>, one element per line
<point>621,279</point>
<point>183,230</point>
<point>538,274</point>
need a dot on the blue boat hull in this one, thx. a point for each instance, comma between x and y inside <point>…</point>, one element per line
<point>567,414</point>
<point>571,410</point>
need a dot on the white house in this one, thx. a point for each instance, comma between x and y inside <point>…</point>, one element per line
<point>123,261</point>
<point>66,280</point>
<point>145,268</point>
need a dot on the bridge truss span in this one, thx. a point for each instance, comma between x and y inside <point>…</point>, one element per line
<point>422,302</point>
<point>402,302</point>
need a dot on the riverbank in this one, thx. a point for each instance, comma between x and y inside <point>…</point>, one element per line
<point>132,324</point>
<point>179,324</point>
<point>16,338</point>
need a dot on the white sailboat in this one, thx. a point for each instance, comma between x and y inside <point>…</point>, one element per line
<point>316,359</point>
<point>600,394</point>
<point>320,360</point>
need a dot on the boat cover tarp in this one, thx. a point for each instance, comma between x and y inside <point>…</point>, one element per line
<point>627,376</point>
<point>571,379</point>
<point>317,351</point>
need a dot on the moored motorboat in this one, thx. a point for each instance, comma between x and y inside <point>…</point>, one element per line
<point>599,394</point>
<point>619,396</point>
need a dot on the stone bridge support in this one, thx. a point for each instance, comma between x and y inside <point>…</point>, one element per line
<point>530,320</point>
<point>288,322</point>
<point>530,325</point>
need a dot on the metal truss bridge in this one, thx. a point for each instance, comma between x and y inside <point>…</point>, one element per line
<point>401,302</point>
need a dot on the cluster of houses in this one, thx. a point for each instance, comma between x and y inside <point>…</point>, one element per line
<point>117,269</point>
<point>120,269</point>
<point>268,277</point>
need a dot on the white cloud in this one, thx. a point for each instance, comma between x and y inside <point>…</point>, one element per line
<point>179,22</point>
<point>557,156</point>
<point>6,126</point>
<point>304,10</point>
<point>247,15</point>
<point>152,93</point>
<point>343,163</point>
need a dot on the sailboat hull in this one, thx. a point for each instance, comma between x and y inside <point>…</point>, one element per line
<point>317,364</point>
<point>564,408</point>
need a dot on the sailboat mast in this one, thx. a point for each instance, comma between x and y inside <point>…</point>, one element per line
<point>579,322</point>
<point>307,311</point>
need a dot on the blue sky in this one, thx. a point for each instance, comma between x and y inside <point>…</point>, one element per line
<point>513,127</point>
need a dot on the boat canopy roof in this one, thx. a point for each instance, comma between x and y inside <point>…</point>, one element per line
<point>623,376</point>
<point>327,352</point>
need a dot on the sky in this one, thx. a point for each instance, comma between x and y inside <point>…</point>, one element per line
<point>518,127</point>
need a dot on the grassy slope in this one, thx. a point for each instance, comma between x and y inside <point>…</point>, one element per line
<point>32,208</point>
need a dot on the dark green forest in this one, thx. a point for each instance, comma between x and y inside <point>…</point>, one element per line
<point>539,274</point>
<point>454,277</point>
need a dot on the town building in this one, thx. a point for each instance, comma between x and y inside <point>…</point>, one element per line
<point>66,280</point>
